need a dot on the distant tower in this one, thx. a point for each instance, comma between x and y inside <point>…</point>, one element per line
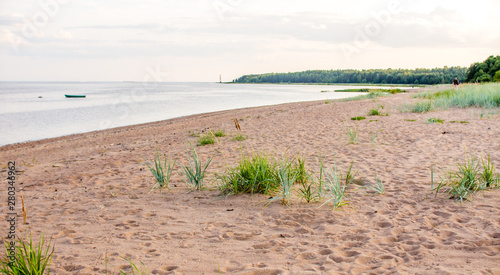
<point>220,78</point>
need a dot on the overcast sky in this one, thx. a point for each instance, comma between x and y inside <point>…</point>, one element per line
<point>196,40</point>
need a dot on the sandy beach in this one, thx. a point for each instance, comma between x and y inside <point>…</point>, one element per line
<point>91,194</point>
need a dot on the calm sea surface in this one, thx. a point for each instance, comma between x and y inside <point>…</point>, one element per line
<point>38,110</point>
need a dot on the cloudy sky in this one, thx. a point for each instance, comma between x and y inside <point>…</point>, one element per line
<point>196,40</point>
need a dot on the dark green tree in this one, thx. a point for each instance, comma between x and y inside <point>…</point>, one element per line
<point>496,78</point>
<point>483,71</point>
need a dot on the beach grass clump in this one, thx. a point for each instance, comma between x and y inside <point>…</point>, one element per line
<point>263,173</point>
<point>489,177</point>
<point>335,187</point>
<point>352,134</point>
<point>462,122</point>
<point>255,173</point>
<point>358,118</point>
<point>411,120</point>
<point>239,137</point>
<point>286,178</point>
<point>206,139</point>
<point>350,175</point>
<point>377,187</point>
<point>299,168</point>
<point>376,111</point>
<point>194,172</point>
<point>468,180</point>
<point>435,120</point>
<point>27,257</point>
<point>162,169</point>
<point>219,133</point>
<point>309,190</point>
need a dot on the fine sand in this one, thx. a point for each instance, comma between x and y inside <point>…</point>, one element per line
<point>90,193</point>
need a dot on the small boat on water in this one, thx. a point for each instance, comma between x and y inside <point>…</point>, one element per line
<point>75,96</point>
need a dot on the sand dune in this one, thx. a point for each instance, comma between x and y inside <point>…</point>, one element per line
<point>90,193</point>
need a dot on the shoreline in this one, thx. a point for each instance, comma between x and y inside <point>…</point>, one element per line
<point>90,192</point>
<point>415,89</point>
<point>121,113</point>
<point>125,128</point>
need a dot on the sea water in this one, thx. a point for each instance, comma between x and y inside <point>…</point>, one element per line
<point>39,110</point>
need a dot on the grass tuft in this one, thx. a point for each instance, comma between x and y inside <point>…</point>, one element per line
<point>194,171</point>
<point>220,133</point>
<point>206,139</point>
<point>300,169</point>
<point>262,173</point>
<point>286,178</point>
<point>435,120</point>
<point>335,188</point>
<point>489,177</point>
<point>254,173</point>
<point>352,134</point>
<point>374,112</point>
<point>27,258</point>
<point>358,118</point>
<point>308,190</point>
<point>239,137</point>
<point>161,170</point>
<point>377,187</point>
<point>468,180</point>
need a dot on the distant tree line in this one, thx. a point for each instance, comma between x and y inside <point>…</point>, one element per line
<point>486,71</point>
<point>373,76</point>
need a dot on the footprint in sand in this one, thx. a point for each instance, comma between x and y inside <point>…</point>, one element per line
<point>265,245</point>
<point>364,260</point>
<point>307,256</point>
<point>442,214</point>
<point>325,252</point>
<point>168,268</point>
<point>73,268</point>
<point>383,224</point>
